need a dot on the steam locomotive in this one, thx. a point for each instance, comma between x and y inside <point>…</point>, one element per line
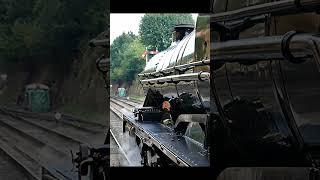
<point>174,76</point>
<point>243,89</point>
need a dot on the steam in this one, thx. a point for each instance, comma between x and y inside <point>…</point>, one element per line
<point>132,151</point>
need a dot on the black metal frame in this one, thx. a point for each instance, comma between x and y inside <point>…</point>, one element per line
<point>294,47</point>
<point>274,8</point>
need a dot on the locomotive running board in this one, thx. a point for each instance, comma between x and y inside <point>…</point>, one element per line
<point>202,76</point>
<point>177,148</point>
<point>179,68</point>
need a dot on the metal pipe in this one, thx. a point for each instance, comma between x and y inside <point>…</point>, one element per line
<point>277,7</point>
<point>181,68</point>
<point>299,46</point>
<point>102,42</point>
<point>84,162</point>
<point>202,76</point>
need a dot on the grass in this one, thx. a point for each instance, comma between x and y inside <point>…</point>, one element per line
<point>137,98</point>
<point>83,113</point>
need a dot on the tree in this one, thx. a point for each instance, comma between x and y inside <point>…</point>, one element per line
<point>125,58</point>
<point>117,49</point>
<point>155,29</point>
<point>52,30</point>
<point>133,64</point>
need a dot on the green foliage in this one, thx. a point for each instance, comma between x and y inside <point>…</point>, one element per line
<point>126,62</point>
<point>48,29</point>
<point>24,40</point>
<point>86,113</point>
<point>155,29</point>
<point>126,50</point>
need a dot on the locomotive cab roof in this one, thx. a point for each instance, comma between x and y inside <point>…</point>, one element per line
<point>189,27</point>
<point>180,31</point>
<point>36,86</point>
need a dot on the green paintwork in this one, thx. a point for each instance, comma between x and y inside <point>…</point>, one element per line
<point>122,92</point>
<point>38,100</point>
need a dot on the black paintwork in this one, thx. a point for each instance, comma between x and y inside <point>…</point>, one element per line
<point>267,110</point>
<point>184,148</point>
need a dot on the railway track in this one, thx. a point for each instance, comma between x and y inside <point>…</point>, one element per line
<point>40,146</point>
<point>121,156</point>
<point>125,102</point>
<point>66,120</point>
<point>19,164</point>
<point>79,130</point>
<point>125,143</point>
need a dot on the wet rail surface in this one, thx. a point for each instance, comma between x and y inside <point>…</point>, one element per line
<point>118,158</point>
<point>115,160</point>
<point>126,144</point>
<point>39,146</point>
